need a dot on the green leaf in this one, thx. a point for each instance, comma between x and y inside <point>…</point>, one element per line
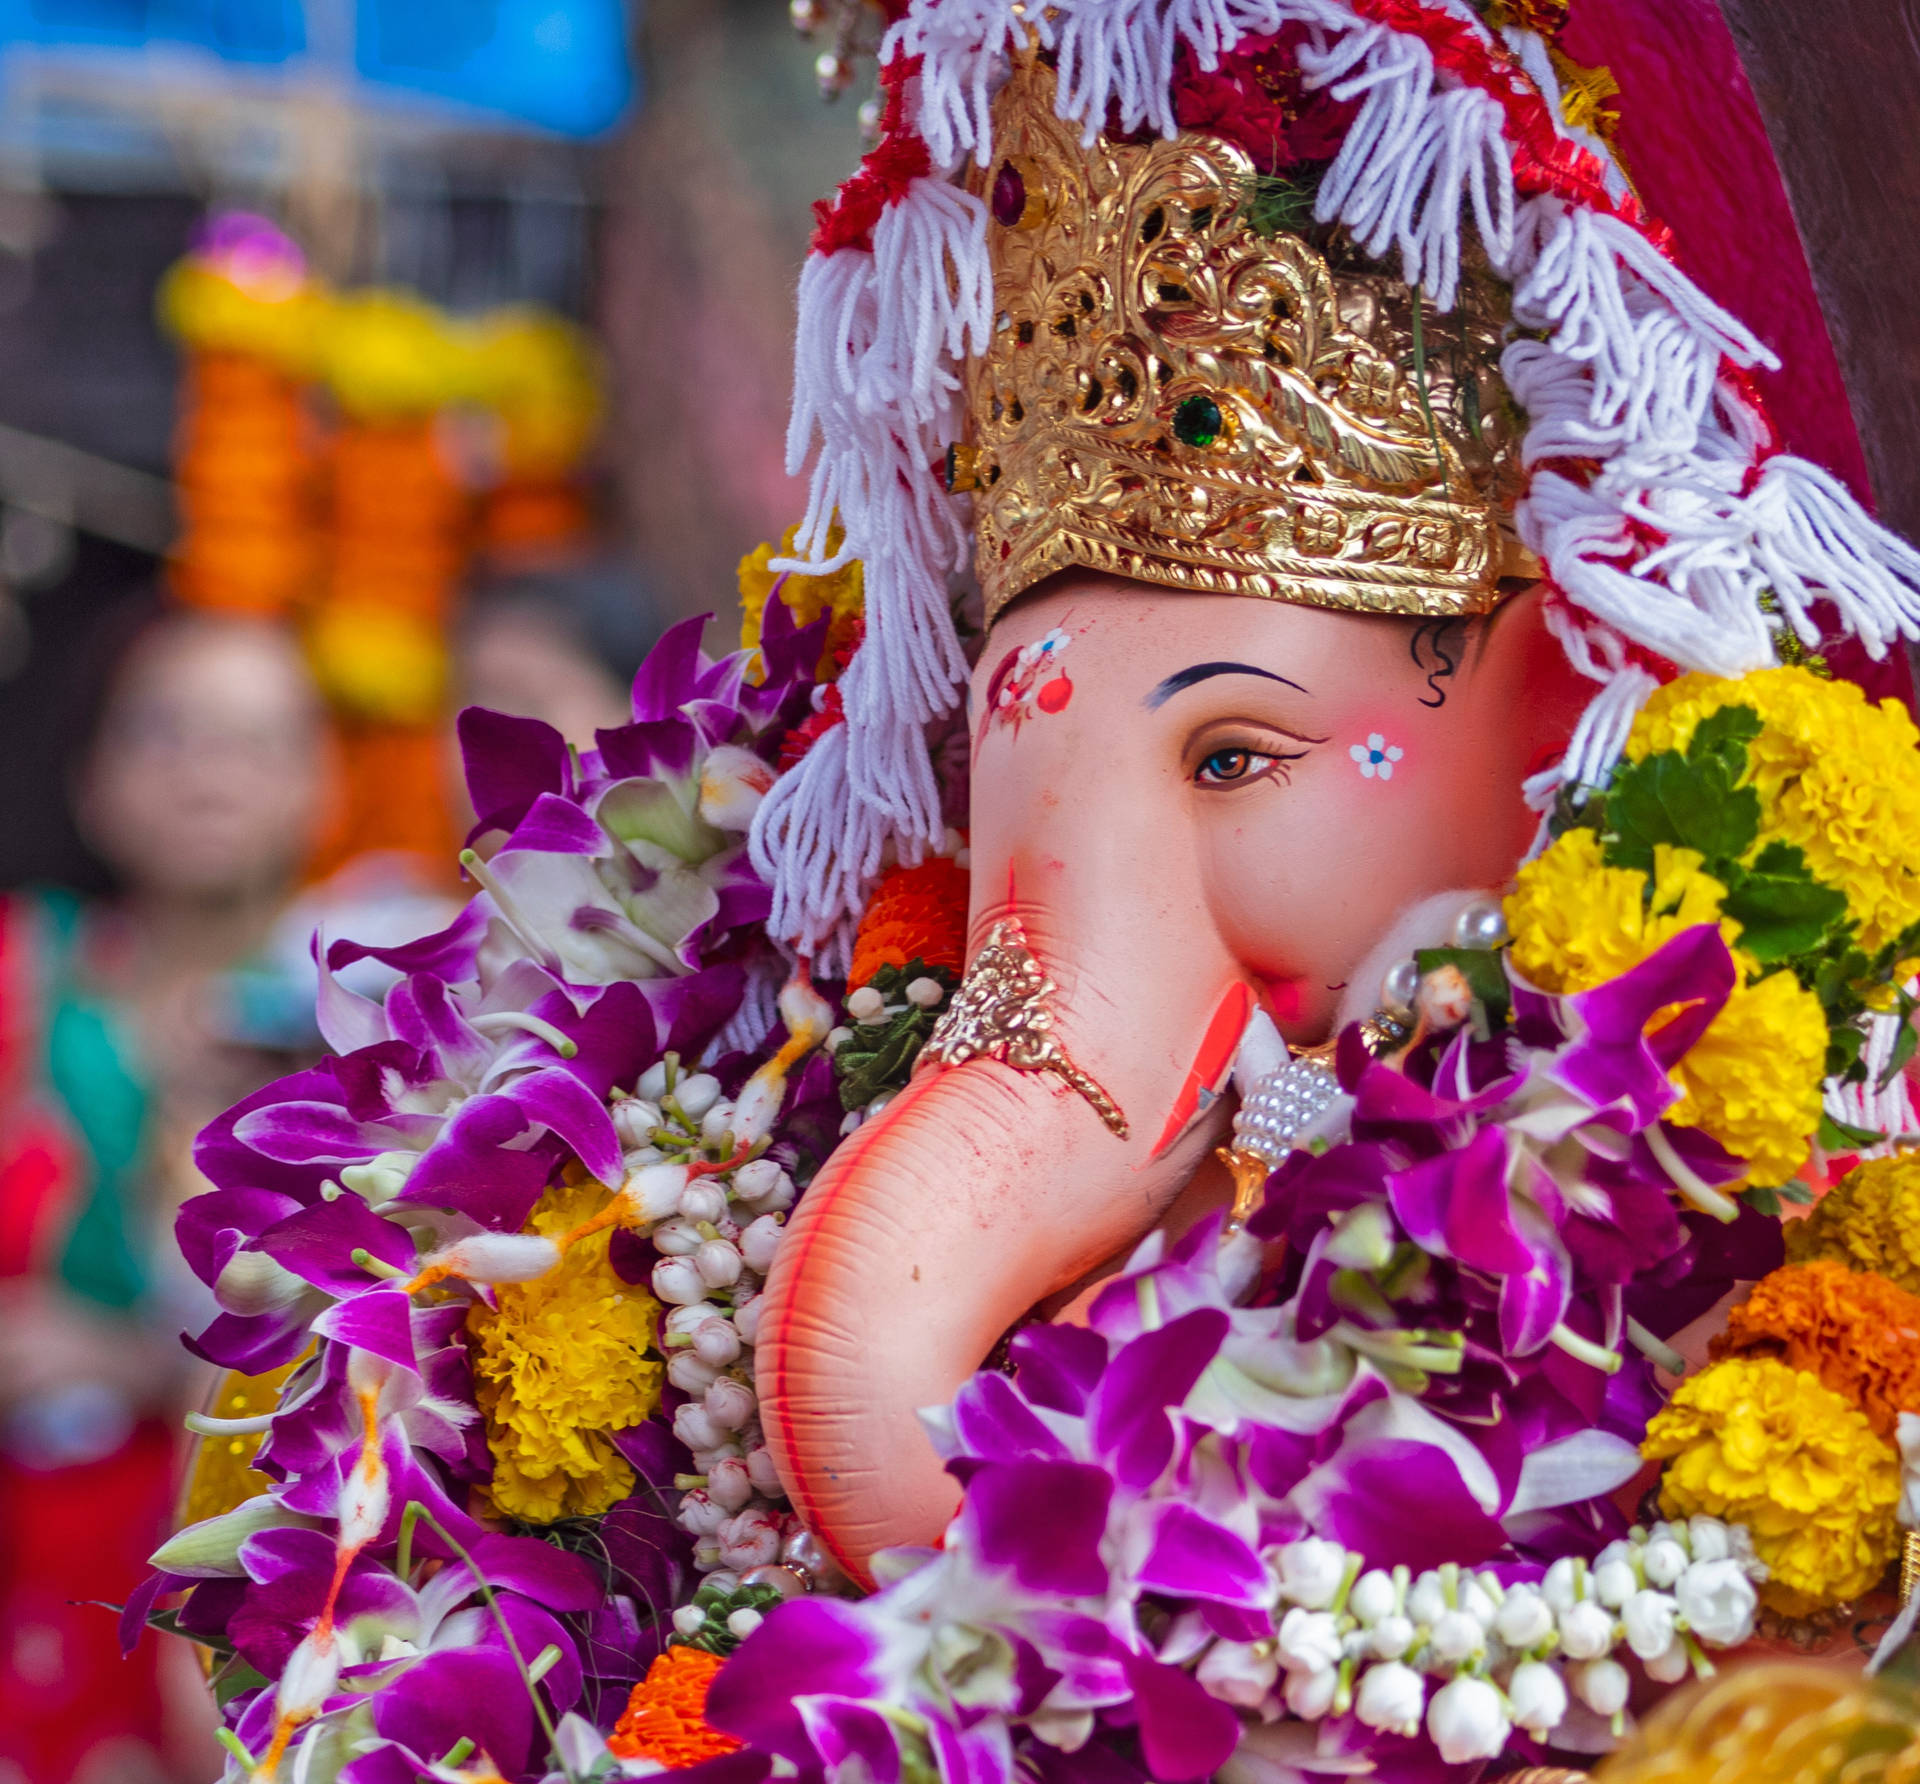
<point>1763,1201</point>
<point>1904,1042</point>
<point>1684,801</point>
<point>1482,968</point>
<point>1841,1136</point>
<point>1781,915</point>
<point>1725,733</point>
<point>1796,1192</point>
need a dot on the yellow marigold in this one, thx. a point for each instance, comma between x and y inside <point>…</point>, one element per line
<point>1838,778</point>
<point>560,1365</point>
<point>1855,1330</point>
<point>1869,1220</point>
<point>1577,922</point>
<point>1753,1079</point>
<point>843,595</point>
<point>1758,1443</point>
<point>666,1716</point>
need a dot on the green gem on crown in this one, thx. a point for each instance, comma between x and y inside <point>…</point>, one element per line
<point>1198,421</point>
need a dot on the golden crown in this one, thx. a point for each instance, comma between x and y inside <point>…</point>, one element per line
<point>1176,393</point>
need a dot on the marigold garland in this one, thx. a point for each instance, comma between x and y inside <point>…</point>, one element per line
<point>559,1365</point>
<point>1869,1220</point>
<point>665,1718</point>
<point>918,913</point>
<point>1837,778</point>
<point>1760,1443</point>
<point>1855,1330</point>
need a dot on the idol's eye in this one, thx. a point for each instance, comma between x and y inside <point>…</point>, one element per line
<point>1229,766</point>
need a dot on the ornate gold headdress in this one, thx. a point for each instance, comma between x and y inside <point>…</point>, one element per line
<point>1174,394</point>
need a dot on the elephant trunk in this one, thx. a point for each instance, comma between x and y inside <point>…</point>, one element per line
<point>975,1195</point>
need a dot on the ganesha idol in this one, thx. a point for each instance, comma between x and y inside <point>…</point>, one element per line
<point>1266,669</point>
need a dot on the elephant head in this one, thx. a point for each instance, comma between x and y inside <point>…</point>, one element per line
<point>1190,806</point>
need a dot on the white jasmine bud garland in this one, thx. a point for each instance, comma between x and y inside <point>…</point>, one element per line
<point>703,1199</point>
<point>1241,1673</point>
<point>1524,1620</point>
<point>1718,1601</point>
<point>1602,1685</point>
<point>716,1341</point>
<point>1309,1641</point>
<point>1707,1537</point>
<point>693,1096</point>
<point>700,1514</point>
<point>1614,1582</point>
<point>759,1241</point>
<point>1456,1637</point>
<point>1310,1695</point>
<point>1373,1597</point>
<point>690,1372</point>
<point>1392,1637</point>
<point>729,1403</point>
<point>634,1119</point>
<point>1664,1561</point>
<point>730,1483</point>
<point>718,1263</point>
<point>676,1280</point>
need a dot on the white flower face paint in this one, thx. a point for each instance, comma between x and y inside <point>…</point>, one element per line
<point>1376,756</point>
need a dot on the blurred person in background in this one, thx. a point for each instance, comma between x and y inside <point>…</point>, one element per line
<point>202,788</point>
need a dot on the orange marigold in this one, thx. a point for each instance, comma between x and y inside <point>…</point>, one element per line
<point>918,913</point>
<point>1858,1332</point>
<point>666,1717</point>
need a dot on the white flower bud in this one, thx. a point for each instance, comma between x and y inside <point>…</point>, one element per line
<point>1478,1602</point>
<point>1665,1561</point>
<point>1718,1601</point>
<point>1372,1597</point>
<point>733,781</point>
<point>715,1341</point>
<point>694,1426</point>
<point>866,1005</point>
<point>677,1237</point>
<point>1239,1673</point>
<point>1614,1583</point>
<point>702,1199</point>
<point>690,1619</point>
<point>252,1283</point>
<point>1467,1720</point>
<point>1602,1685</point>
<point>746,1321</point>
<point>749,1539</point>
<point>683,1322</point>
<point>496,1257</point>
<point>634,1119</point>
<point>729,1484</point>
<point>744,1621</point>
<point>1586,1631</point>
<point>753,1116</point>
<point>1391,1697</point>
<point>1456,1637</point>
<point>837,1038</point>
<point>690,1372</point>
<point>1311,1571</point>
<point>700,1515</point>
<point>1649,1619</point>
<point>1309,1641</point>
<point>924,993</point>
<point>718,1263</point>
<point>765,1477</point>
<point>1561,1588</point>
<point>805,1012</point>
<point>1427,1601</point>
<point>1671,1667</point>
<point>1707,1538</point>
<point>1392,1637</point>
<point>760,1240</point>
<point>1538,1697</point>
<point>1524,1619</point>
<point>653,1082</point>
<point>676,1280</point>
<point>764,1186</point>
<point>717,1123</point>
<point>729,1403</point>
<point>697,1094</point>
<point>1310,1695</point>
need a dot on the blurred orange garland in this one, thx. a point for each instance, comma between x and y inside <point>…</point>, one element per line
<point>665,1719</point>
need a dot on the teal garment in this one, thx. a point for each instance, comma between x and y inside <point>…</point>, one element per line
<point>90,1067</point>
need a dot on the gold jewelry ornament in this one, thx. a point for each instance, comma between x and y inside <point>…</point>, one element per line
<point>1172,395</point>
<point>1001,1012</point>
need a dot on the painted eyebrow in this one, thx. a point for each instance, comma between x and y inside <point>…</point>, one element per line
<point>1200,672</point>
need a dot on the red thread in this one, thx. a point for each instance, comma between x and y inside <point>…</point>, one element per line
<point>891,166</point>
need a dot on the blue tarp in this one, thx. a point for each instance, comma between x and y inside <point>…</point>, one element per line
<point>559,65</point>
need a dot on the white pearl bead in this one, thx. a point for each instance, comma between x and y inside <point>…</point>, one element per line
<point>1482,924</point>
<point>1400,987</point>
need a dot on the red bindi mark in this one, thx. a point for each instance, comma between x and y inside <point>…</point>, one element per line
<point>1027,682</point>
<point>1212,1063</point>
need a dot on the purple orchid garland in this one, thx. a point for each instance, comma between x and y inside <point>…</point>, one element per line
<point>1332,1492</point>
